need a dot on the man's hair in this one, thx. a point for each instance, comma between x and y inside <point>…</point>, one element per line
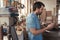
<point>37,5</point>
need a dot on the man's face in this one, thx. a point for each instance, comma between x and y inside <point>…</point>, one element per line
<point>40,10</point>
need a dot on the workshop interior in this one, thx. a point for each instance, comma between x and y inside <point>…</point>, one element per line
<point>13,15</point>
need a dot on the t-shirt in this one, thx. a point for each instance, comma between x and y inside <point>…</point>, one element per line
<point>32,21</point>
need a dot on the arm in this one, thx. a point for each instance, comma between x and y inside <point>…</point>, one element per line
<point>36,32</point>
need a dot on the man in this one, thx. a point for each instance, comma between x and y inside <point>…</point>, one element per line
<point>32,23</point>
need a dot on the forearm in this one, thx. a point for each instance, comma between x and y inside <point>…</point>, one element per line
<point>36,32</point>
<point>49,27</point>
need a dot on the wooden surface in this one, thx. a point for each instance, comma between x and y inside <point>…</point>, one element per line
<point>52,35</point>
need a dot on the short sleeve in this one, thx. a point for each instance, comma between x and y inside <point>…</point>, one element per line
<point>30,22</point>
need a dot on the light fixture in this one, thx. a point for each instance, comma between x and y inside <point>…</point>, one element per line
<point>20,5</point>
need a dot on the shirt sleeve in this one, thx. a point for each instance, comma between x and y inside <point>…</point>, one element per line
<point>30,23</point>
